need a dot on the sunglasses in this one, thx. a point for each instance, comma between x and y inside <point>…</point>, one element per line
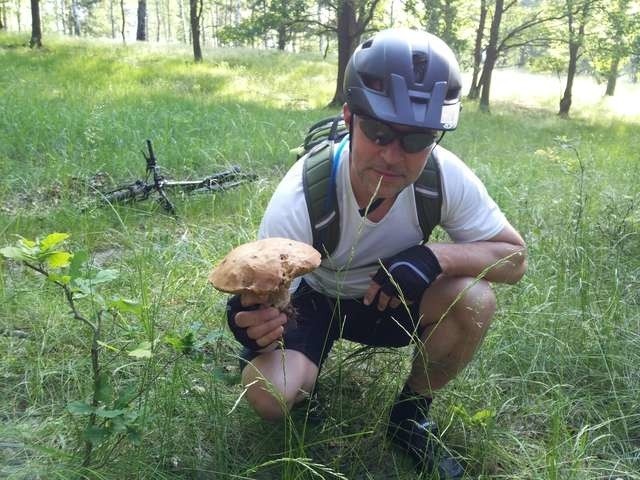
<point>383,134</point>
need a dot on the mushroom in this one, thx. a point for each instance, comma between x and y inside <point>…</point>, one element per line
<point>265,267</point>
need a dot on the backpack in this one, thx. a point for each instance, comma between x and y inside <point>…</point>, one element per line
<point>319,172</point>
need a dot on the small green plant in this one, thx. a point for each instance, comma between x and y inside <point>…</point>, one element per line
<point>109,412</point>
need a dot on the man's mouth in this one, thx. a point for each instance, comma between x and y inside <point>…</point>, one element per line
<point>386,174</point>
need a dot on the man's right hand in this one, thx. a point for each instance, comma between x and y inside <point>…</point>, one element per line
<point>263,325</point>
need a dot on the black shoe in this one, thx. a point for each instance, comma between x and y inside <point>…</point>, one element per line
<point>412,430</point>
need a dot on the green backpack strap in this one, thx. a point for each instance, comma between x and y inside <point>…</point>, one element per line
<point>322,199</point>
<point>428,193</point>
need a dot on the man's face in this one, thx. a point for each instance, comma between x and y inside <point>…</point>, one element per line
<point>383,171</point>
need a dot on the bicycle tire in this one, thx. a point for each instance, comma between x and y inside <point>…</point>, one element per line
<point>127,193</point>
<point>218,187</point>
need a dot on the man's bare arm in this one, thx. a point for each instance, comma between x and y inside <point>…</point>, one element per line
<point>503,255</point>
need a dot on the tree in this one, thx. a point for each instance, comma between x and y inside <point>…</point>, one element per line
<point>575,18</point>
<point>521,30</point>
<point>351,20</point>
<point>141,31</point>
<point>439,17</point>
<point>195,12</point>
<point>3,15</point>
<point>615,37</point>
<point>124,21</point>
<point>474,90</point>
<point>36,30</point>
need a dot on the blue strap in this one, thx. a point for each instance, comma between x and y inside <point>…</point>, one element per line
<point>334,170</point>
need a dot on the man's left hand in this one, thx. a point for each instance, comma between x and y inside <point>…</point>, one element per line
<point>405,275</point>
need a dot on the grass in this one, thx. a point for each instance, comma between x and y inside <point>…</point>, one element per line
<point>552,394</point>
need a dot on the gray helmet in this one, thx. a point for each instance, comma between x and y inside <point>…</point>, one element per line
<point>406,77</point>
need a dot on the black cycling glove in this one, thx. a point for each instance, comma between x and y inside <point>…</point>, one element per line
<point>234,306</point>
<point>412,270</point>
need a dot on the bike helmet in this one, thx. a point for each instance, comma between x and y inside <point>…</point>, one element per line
<point>406,77</point>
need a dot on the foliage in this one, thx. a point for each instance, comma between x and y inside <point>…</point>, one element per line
<point>614,33</point>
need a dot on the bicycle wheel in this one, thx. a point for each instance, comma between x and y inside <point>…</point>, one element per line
<point>127,193</point>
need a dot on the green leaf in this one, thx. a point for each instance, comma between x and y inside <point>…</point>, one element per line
<point>143,351</point>
<point>81,285</point>
<point>482,417</point>
<point>62,279</point>
<point>181,344</point>
<point>77,262</point>
<point>80,408</point>
<point>58,259</point>
<point>103,390</point>
<point>95,434</point>
<point>14,253</point>
<point>118,424</point>
<point>133,434</point>
<point>104,276</point>
<point>25,242</point>
<point>104,413</point>
<point>124,305</point>
<point>125,396</point>
<point>52,240</point>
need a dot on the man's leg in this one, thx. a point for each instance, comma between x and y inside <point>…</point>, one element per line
<point>276,380</point>
<point>456,313</point>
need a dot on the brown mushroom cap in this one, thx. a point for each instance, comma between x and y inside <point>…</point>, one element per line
<point>264,266</point>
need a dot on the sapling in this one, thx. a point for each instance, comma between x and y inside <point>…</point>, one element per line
<point>108,414</point>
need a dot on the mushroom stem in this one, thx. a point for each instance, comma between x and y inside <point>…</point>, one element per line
<point>280,298</point>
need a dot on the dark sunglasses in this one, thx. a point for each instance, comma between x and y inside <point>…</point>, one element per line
<point>383,134</point>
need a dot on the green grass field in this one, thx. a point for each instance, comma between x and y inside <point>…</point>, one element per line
<point>553,394</point>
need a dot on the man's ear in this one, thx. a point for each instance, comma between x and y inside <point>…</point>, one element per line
<point>346,113</point>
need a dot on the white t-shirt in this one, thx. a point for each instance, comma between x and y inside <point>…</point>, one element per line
<point>468,214</point>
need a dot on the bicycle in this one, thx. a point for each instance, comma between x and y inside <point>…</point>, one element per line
<point>155,182</point>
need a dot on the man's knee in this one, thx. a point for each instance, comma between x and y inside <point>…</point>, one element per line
<point>271,389</point>
<point>478,304</point>
<point>468,301</point>
<point>268,403</point>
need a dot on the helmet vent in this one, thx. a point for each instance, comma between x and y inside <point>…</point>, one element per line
<point>419,60</point>
<point>374,83</point>
<point>367,44</point>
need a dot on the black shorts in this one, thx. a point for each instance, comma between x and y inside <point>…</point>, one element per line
<point>322,320</point>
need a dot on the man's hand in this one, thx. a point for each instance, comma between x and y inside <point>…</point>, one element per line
<point>255,324</point>
<point>405,275</point>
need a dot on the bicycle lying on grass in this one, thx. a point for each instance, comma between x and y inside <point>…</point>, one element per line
<point>155,182</point>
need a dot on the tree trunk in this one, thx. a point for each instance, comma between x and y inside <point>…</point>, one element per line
<point>491,55</point>
<point>124,21</point>
<point>18,17</point>
<point>112,20</point>
<point>474,90</point>
<point>36,30</point>
<point>575,43</point>
<point>282,37</point>
<point>157,5</point>
<point>75,19</point>
<point>3,17</point>
<point>195,11</point>
<point>63,16</point>
<point>141,31</point>
<point>347,42</point>
<point>565,101</point>
<point>612,77</point>
<point>168,20</point>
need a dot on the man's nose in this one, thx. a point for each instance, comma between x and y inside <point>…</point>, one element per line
<point>392,152</point>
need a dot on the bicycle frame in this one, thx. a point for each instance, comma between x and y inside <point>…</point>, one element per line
<point>141,189</point>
